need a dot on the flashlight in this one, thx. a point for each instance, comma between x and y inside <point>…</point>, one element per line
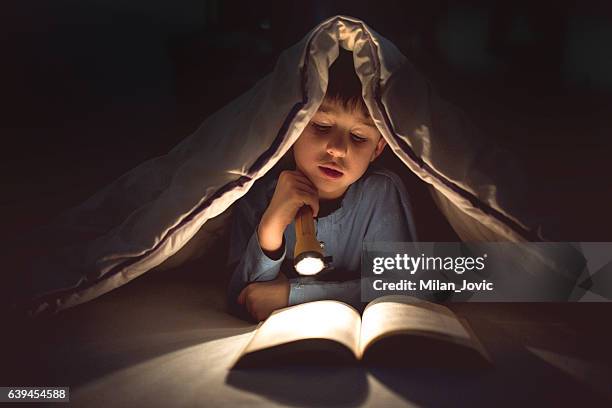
<point>308,255</point>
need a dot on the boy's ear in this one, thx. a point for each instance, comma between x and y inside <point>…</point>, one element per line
<point>380,146</point>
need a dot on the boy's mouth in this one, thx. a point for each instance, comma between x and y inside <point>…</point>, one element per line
<point>330,173</point>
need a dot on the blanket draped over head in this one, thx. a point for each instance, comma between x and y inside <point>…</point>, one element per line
<point>150,213</point>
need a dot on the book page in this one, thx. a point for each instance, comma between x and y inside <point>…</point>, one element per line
<point>325,319</point>
<point>402,314</point>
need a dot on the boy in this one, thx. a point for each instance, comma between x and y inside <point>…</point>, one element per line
<point>351,203</point>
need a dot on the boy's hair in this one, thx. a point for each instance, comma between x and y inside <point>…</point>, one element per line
<point>344,87</point>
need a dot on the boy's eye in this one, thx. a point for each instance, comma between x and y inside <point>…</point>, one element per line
<point>358,139</point>
<point>321,128</point>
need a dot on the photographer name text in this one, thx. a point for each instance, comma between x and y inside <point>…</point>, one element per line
<point>432,285</point>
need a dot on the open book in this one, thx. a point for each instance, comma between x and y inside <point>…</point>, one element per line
<point>394,330</point>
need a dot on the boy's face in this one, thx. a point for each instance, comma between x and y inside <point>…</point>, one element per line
<point>336,148</point>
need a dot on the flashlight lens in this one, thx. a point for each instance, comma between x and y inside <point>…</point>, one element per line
<point>309,266</point>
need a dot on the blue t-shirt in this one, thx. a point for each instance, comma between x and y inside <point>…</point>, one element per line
<point>374,208</point>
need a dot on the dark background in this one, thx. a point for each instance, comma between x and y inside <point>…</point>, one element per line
<point>92,88</point>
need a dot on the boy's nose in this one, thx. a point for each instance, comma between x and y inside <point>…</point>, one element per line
<point>337,146</point>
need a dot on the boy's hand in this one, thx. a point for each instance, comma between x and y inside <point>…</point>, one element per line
<point>293,190</point>
<point>262,298</point>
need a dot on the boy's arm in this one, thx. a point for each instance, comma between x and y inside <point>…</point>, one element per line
<point>261,260</point>
<point>251,263</point>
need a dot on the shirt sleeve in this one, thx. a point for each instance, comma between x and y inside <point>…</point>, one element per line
<point>249,262</point>
<point>305,289</point>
